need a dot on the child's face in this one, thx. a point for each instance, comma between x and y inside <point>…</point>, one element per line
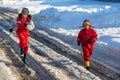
<point>24,15</point>
<point>86,26</point>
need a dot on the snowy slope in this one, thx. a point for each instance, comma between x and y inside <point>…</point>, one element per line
<point>69,14</point>
<point>5,71</point>
<point>59,66</point>
<point>63,19</point>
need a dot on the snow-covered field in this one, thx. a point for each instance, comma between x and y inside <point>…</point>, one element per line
<point>66,16</point>
<point>61,19</point>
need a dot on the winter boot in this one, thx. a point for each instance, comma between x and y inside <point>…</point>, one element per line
<point>87,68</point>
<point>21,52</point>
<point>24,58</point>
<point>87,64</point>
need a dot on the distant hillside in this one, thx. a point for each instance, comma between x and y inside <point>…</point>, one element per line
<point>110,0</point>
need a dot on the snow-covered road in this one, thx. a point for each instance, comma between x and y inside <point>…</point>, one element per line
<point>57,66</point>
<point>11,66</point>
<point>60,66</point>
<point>5,71</point>
<point>97,63</point>
<point>54,66</point>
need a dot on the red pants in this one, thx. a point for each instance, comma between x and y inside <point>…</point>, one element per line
<point>23,38</point>
<point>87,52</point>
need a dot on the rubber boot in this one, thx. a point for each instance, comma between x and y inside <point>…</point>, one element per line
<point>87,64</point>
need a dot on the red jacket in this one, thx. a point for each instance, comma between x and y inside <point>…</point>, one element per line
<point>22,33</point>
<point>84,37</point>
<point>21,28</point>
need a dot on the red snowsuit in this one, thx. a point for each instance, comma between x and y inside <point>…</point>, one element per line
<point>83,37</point>
<point>22,33</point>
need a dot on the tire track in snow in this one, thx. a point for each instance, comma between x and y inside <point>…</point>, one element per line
<point>41,73</point>
<point>70,70</point>
<point>53,68</point>
<point>72,57</point>
<point>16,65</point>
<point>35,65</point>
<point>96,68</point>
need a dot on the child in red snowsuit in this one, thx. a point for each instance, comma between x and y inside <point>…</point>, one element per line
<point>87,37</point>
<point>23,23</point>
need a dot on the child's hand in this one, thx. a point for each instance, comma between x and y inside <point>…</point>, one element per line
<point>90,41</point>
<point>25,24</point>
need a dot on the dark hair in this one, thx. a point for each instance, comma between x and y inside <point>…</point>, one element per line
<point>20,16</point>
